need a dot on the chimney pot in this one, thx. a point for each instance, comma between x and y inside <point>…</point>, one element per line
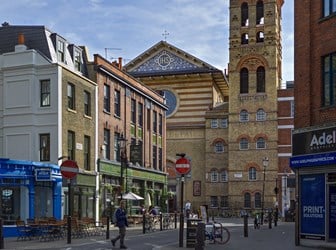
<point>21,39</point>
<point>120,62</point>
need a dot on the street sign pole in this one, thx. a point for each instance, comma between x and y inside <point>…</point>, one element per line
<point>181,213</point>
<point>69,212</point>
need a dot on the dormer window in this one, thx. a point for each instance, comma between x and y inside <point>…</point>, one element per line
<point>77,60</point>
<point>60,50</point>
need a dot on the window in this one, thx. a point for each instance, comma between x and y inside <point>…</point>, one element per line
<point>244,116</point>
<point>260,13</point>
<point>244,14</point>
<point>71,96</point>
<point>244,82</point>
<point>133,111</point>
<point>261,144</point>
<point>214,123</point>
<point>244,38</point>
<point>224,201</point>
<point>257,200</point>
<point>78,60</point>
<point>252,174</point>
<point>329,79</point>
<point>224,176</point>
<point>261,80</point>
<point>71,145</point>
<point>44,147</point>
<point>213,201</point>
<point>45,93</point>
<point>219,147</point>
<point>154,157</point>
<point>260,37</point>
<point>214,175</point>
<point>107,98</point>
<point>87,152</point>
<point>160,159</point>
<point>224,123</point>
<point>154,121</point>
<point>140,114</point>
<point>107,144</point>
<point>243,144</point>
<point>160,124</point>
<point>329,7</point>
<point>247,200</point>
<point>60,51</point>
<point>117,107</point>
<point>117,152</point>
<point>87,103</point>
<point>261,115</point>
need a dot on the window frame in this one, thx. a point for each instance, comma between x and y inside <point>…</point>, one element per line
<point>224,176</point>
<point>214,176</point>
<point>71,145</point>
<point>242,142</point>
<point>86,152</point>
<point>329,79</point>
<point>214,123</point>
<point>261,143</point>
<point>45,93</point>
<point>329,8</point>
<point>247,200</point>
<point>244,116</point>
<point>133,111</point>
<point>244,81</point>
<point>252,174</point>
<point>87,103</point>
<point>261,81</point>
<point>44,147</point>
<point>60,50</point>
<point>244,14</point>
<point>224,122</point>
<point>257,200</point>
<point>107,98</point>
<point>261,115</point>
<point>117,103</point>
<point>219,147</point>
<point>71,93</point>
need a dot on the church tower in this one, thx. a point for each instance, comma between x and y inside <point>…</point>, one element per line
<point>254,79</point>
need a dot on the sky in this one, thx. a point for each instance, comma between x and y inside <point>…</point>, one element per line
<point>127,28</point>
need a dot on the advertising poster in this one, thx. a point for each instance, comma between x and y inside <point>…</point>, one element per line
<point>332,212</point>
<point>313,206</point>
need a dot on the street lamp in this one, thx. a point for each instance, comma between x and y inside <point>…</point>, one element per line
<point>123,159</point>
<point>265,164</point>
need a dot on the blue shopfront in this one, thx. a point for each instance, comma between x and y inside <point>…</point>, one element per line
<point>28,190</point>
<point>314,162</point>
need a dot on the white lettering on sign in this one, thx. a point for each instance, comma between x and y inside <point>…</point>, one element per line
<point>71,170</point>
<point>182,165</point>
<point>324,139</point>
<point>313,211</point>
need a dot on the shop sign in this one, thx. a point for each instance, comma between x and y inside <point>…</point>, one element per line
<point>313,160</point>
<point>43,174</point>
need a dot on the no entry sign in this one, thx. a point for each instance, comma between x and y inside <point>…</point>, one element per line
<point>182,165</point>
<point>69,169</point>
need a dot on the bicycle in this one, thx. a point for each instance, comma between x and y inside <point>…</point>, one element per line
<point>151,223</point>
<point>217,233</point>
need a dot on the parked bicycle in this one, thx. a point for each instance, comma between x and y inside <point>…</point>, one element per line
<point>217,233</point>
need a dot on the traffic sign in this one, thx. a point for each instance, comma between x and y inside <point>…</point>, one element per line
<point>69,169</point>
<point>182,165</point>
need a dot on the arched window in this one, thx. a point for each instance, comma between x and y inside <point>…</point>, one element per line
<point>244,116</point>
<point>244,82</point>
<point>261,144</point>
<point>252,174</point>
<point>244,38</point>
<point>247,200</point>
<point>243,144</point>
<point>219,147</point>
<point>257,200</point>
<point>244,14</point>
<point>261,115</point>
<point>260,37</point>
<point>260,12</point>
<point>214,175</point>
<point>261,79</point>
<point>224,176</point>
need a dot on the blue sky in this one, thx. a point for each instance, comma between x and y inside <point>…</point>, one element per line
<point>129,27</point>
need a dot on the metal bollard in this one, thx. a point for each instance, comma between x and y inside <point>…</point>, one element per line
<point>269,220</point>
<point>181,230</point>
<point>160,221</point>
<point>1,235</point>
<point>107,227</point>
<point>175,220</point>
<point>245,225</point>
<point>143,223</point>
<point>69,230</point>
<point>200,236</point>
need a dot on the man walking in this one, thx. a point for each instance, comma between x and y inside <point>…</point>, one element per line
<point>121,223</point>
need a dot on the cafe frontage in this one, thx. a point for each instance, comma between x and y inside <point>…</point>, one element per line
<point>314,162</point>
<point>28,190</point>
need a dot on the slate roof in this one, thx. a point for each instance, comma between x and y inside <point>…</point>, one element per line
<point>35,38</point>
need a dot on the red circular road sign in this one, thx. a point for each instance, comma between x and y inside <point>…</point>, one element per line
<point>69,169</point>
<point>182,165</point>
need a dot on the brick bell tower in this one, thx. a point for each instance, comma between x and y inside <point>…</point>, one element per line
<point>254,78</point>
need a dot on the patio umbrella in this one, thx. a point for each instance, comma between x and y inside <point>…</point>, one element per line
<point>131,196</point>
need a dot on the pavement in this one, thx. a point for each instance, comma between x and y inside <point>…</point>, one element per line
<point>281,237</point>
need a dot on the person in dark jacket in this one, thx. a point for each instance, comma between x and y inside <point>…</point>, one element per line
<point>121,223</point>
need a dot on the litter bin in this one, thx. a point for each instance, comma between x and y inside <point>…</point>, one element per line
<point>192,232</point>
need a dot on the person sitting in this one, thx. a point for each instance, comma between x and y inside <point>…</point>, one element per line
<point>152,211</point>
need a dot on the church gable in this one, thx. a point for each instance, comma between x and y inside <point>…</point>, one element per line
<point>163,58</point>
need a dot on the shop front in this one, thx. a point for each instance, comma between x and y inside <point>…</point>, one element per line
<point>28,190</point>
<point>314,162</point>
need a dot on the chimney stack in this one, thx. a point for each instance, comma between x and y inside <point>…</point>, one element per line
<point>21,39</point>
<point>21,43</point>
<point>120,62</point>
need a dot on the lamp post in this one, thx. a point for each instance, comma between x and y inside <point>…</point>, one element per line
<point>123,159</point>
<point>265,164</point>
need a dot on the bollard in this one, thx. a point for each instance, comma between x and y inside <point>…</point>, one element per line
<point>181,230</point>
<point>160,221</point>
<point>175,220</point>
<point>200,236</point>
<point>107,227</point>
<point>143,223</point>
<point>269,220</point>
<point>69,230</point>
<point>245,225</point>
<point>1,235</point>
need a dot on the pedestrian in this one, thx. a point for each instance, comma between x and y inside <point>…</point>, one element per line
<point>188,208</point>
<point>121,223</point>
<point>257,222</point>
